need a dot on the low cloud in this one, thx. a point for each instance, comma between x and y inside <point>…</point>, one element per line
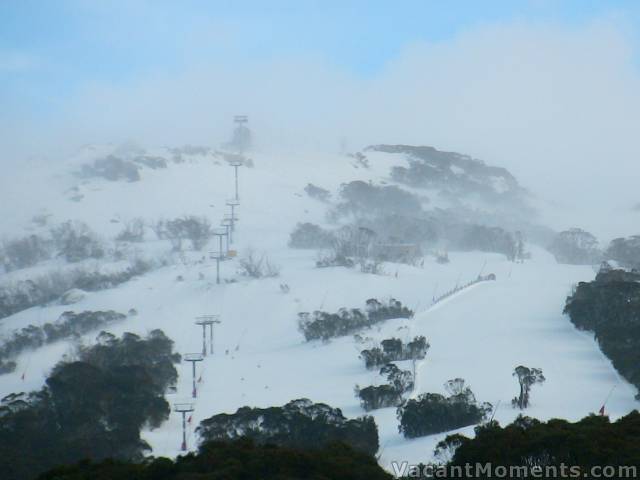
<point>556,105</point>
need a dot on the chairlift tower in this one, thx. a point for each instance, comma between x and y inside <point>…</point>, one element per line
<point>218,256</point>
<point>193,358</point>
<point>227,226</point>
<point>233,203</point>
<point>235,164</point>
<point>220,233</point>
<point>241,121</point>
<point>231,219</point>
<point>207,320</point>
<point>183,408</point>
<point>227,223</point>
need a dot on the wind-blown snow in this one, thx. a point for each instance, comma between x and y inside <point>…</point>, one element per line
<point>479,334</point>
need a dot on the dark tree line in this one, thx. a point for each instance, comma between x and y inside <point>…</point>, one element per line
<point>93,407</point>
<point>70,324</point>
<point>609,306</point>
<point>593,441</point>
<point>323,325</point>
<point>298,424</point>
<point>241,459</point>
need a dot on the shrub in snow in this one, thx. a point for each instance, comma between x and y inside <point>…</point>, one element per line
<point>24,252</point>
<point>92,281</point>
<point>575,247</point>
<point>154,163</point>
<point>190,150</point>
<point>432,413</point>
<point>317,192</point>
<point>20,295</point>
<point>132,232</point>
<point>69,325</point>
<point>373,266</point>
<point>393,350</point>
<point>309,235</point>
<point>442,257</point>
<point>361,160</point>
<point>350,246</point>
<point>75,242</point>
<point>299,423</point>
<point>323,325</point>
<point>197,230</point>
<point>332,259</point>
<point>395,232</point>
<point>111,168</point>
<point>257,266</point>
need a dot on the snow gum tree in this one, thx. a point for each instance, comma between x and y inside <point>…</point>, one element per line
<point>527,378</point>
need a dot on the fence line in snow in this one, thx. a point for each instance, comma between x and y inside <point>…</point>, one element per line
<point>481,278</point>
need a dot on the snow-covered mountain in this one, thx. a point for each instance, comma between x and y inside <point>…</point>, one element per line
<point>261,358</point>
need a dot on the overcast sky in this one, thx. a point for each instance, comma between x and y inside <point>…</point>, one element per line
<point>549,89</point>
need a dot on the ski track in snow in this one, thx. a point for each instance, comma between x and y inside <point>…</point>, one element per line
<point>261,359</point>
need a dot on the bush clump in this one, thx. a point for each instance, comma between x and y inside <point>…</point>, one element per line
<point>76,242</point>
<point>111,168</point>
<point>390,394</point>
<point>393,350</point>
<point>324,325</point>
<point>253,265</point>
<point>197,230</point>
<point>434,413</point>
<point>576,247</point>
<point>309,235</point>
<point>318,193</point>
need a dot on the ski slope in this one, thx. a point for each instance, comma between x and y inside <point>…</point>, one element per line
<point>261,359</point>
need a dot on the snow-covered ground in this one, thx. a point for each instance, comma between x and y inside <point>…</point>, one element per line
<point>261,359</point>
